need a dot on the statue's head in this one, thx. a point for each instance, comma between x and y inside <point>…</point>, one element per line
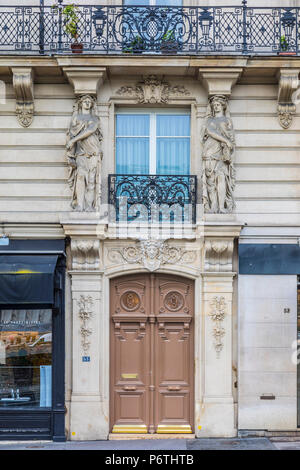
<point>87,103</point>
<point>217,104</point>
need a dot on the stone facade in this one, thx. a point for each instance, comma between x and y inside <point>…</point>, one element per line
<point>261,190</point>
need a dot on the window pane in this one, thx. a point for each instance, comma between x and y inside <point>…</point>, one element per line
<point>132,155</point>
<point>136,2</point>
<point>25,358</point>
<point>133,148</point>
<point>133,125</point>
<point>173,156</point>
<point>173,125</point>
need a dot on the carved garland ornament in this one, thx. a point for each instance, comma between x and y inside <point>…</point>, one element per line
<point>152,254</point>
<point>152,90</point>
<point>85,304</point>
<point>85,254</point>
<point>217,314</point>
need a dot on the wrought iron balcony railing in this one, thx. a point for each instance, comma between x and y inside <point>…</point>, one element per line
<point>152,30</point>
<point>153,198</point>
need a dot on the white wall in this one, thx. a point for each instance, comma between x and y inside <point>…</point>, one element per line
<point>265,336</point>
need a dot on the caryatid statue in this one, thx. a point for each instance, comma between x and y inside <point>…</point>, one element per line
<point>218,148</point>
<point>84,154</point>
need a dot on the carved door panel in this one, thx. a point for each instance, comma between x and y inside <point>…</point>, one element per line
<point>129,355</point>
<point>151,354</point>
<point>174,356</point>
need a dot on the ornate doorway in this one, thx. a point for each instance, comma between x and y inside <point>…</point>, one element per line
<point>152,354</point>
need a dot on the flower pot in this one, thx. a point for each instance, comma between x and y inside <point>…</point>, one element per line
<point>287,53</point>
<point>77,48</point>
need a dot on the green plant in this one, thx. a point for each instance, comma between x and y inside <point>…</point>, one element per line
<point>284,43</point>
<point>168,36</point>
<point>71,19</point>
<point>136,45</point>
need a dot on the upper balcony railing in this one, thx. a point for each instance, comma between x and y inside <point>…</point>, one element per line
<point>152,30</point>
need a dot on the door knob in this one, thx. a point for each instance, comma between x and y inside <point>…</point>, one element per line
<point>174,388</point>
<point>129,389</point>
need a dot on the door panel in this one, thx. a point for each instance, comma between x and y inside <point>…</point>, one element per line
<point>152,354</point>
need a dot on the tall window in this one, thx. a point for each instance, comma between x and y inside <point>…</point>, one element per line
<point>153,143</point>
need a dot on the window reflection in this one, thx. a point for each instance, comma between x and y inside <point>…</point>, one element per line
<point>25,358</point>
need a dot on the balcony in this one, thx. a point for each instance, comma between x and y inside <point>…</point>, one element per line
<point>152,30</point>
<point>153,198</point>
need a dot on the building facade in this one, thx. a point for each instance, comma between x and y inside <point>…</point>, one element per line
<point>150,214</point>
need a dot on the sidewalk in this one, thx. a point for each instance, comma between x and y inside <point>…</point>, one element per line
<point>159,444</point>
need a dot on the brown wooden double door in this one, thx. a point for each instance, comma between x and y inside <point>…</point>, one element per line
<point>152,354</point>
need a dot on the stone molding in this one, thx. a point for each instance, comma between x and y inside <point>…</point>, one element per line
<point>85,80</point>
<point>152,90</point>
<point>85,254</point>
<point>288,84</point>
<point>151,254</point>
<point>23,86</point>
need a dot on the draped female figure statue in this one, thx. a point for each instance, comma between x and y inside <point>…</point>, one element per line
<point>218,148</point>
<point>84,154</point>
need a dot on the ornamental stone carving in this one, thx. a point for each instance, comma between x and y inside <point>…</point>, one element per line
<point>84,155</point>
<point>218,255</point>
<point>85,304</point>
<point>217,314</point>
<point>151,254</point>
<point>85,254</point>
<point>288,84</point>
<point>152,90</point>
<point>218,175</point>
<point>23,86</point>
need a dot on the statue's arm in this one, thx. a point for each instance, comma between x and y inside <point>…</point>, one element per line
<point>211,131</point>
<point>91,128</point>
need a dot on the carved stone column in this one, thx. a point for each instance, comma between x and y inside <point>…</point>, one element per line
<point>87,411</point>
<point>216,412</point>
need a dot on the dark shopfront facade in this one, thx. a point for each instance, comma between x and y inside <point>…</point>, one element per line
<point>32,335</point>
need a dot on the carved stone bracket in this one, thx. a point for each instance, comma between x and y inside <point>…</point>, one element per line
<point>218,255</point>
<point>218,81</point>
<point>85,304</point>
<point>152,254</point>
<point>217,314</point>
<point>23,86</point>
<point>288,84</point>
<point>85,80</point>
<point>152,89</point>
<point>85,254</point>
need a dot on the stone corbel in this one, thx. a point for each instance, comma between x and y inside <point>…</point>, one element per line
<point>85,80</point>
<point>219,81</point>
<point>218,255</point>
<point>23,86</point>
<point>85,254</point>
<point>288,84</point>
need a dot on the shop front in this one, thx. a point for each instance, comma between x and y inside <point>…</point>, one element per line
<point>32,340</point>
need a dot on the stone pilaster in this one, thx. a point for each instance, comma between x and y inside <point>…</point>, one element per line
<point>87,414</point>
<point>216,412</point>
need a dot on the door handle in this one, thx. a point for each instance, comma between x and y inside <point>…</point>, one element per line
<point>129,389</point>
<point>173,388</point>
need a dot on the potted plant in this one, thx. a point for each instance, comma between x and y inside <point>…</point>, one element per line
<point>136,46</point>
<point>284,47</point>
<point>169,44</point>
<point>71,23</point>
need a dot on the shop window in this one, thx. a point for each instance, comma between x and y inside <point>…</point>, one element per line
<point>26,358</point>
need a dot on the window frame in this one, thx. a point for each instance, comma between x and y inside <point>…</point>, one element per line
<point>153,112</point>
